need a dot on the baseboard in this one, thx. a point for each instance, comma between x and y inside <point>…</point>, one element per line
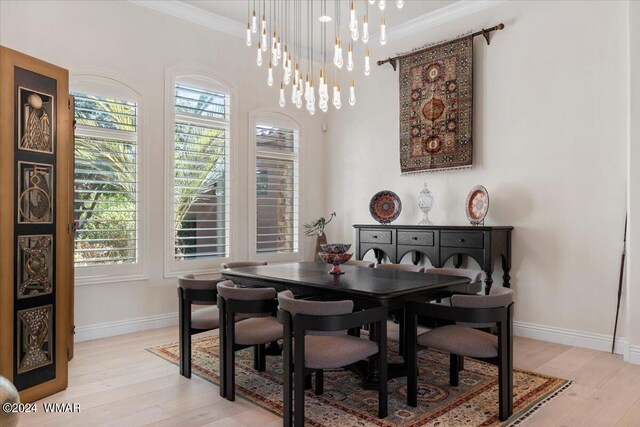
<point>633,355</point>
<point>574,338</point>
<point>121,327</point>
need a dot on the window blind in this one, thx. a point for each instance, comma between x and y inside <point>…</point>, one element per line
<point>201,184</point>
<point>276,190</point>
<point>105,200</point>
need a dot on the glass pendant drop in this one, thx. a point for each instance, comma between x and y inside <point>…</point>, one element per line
<point>367,63</point>
<point>383,33</point>
<point>282,101</point>
<point>352,94</point>
<point>248,40</point>
<point>270,75</point>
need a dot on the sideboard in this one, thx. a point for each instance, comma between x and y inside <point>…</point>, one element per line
<point>439,243</point>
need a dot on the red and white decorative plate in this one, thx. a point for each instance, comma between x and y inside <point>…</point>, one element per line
<point>385,206</point>
<point>477,204</point>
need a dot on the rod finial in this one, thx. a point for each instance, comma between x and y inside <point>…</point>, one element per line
<point>500,26</point>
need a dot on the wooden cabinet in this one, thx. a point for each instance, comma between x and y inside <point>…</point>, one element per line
<point>439,243</point>
<point>36,196</point>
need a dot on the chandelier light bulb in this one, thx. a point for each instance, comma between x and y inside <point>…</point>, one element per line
<point>353,24</point>
<point>383,33</point>
<point>382,4</point>
<point>350,58</point>
<point>296,75</point>
<point>282,101</point>
<point>365,29</point>
<point>263,40</point>
<point>270,75</point>
<point>279,48</point>
<point>367,63</point>
<point>400,4</point>
<point>352,94</point>
<point>338,99</point>
<point>294,93</point>
<point>254,22</point>
<point>248,35</point>
<point>298,101</point>
<point>263,24</point>
<point>339,61</point>
<point>372,1</point>
<point>312,110</point>
<point>355,34</point>
<point>259,57</point>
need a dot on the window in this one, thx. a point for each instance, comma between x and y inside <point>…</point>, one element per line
<point>201,135</point>
<point>106,181</point>
<point>276,189</point>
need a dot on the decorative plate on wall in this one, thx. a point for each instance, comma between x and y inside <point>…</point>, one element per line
<point>477,204</point>
<point>385,207</point>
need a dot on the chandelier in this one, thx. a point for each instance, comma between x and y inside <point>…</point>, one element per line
<point>287,49</point>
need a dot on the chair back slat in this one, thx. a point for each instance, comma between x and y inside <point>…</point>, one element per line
<point>258,302</point>
<point>498,297</point>
<point>315,308</point>
<point>401,267</point>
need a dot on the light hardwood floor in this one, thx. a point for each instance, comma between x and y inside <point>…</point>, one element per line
<point>118,383</point>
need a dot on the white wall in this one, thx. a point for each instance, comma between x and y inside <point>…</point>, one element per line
<point>633,258</point>
<point>550,132</point>
<point>138,45</point>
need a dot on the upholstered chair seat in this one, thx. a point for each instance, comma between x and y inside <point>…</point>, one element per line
<point>460,340</point>
<point>315,338</point>
<point>192,291</point>
<point>258,330</point>
<point>331,352</point>
<point>205,318</point>
<point>360,263</point>
<point>401,267</point>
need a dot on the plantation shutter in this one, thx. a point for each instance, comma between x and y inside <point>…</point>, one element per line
<point>105,201</point>
<point>201,184</point>
<point>276,190</point>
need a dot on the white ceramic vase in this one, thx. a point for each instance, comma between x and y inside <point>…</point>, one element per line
<point>425,203</point>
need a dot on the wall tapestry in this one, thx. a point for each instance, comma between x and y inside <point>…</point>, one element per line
<point>436,107</point>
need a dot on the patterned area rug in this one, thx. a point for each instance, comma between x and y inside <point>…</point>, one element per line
<point>344,403</point>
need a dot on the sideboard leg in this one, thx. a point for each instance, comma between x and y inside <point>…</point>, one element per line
<point>379,255</point>
<point>415,257</point>
<point>506,278</point>
<point>457,261</point>
<point>488,282</point>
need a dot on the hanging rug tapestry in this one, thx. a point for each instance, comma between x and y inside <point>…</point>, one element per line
<point>436,108</point>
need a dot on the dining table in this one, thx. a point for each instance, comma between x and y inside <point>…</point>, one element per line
<point>366,287</point>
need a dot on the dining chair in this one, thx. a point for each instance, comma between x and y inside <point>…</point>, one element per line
<point>315,339</point>
<point>474,276</point>
<point>201,292</point>
<point>258,328</point>
<point>459,340</point>
<point>240,264</point>
<point>401,267</point>
<point>360,263</point>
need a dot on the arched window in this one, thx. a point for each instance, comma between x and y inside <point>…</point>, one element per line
<point>107,163</point>
<point>200,131</point>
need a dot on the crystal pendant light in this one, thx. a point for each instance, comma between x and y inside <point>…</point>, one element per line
<point>400,4</point>
<point>365,29</point>
<point>352,94</point>
<point>383,33</point>
<point>254,22</point>
<point>350,57</point>
<point>382,4</point>
<point>353,25</point>
<point>294,93</point>
<point>337,55</point>
<point>263,40</point>
<point>248,35</point>
<point>372,1</point>
<point>279,48</point>
<point>337,100</point>
<point>367,63</point>
<point>259,57</point>
<point>270,75</point>
<point>355,34</point>
<point>281,101</point>
<point>263,24</point>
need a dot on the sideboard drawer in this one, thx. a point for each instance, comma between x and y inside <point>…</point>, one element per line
<point>416,238</point>
<point>469,239</point>
<point>375,236</point>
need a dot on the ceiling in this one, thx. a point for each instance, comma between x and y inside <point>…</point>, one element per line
<point>238,10</point>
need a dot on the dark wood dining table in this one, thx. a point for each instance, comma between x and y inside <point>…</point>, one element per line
<point>366,287</point>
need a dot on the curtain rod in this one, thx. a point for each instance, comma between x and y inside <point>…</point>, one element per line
<point>484,32</point>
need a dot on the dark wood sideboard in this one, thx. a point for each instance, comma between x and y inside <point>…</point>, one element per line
<point>439,243</point>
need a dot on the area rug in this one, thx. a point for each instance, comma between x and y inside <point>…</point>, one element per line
<point>344,403</point>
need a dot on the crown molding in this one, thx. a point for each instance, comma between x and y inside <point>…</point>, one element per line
<point>417,25</point>
<point>194,14</point>
<point>441,16</point>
